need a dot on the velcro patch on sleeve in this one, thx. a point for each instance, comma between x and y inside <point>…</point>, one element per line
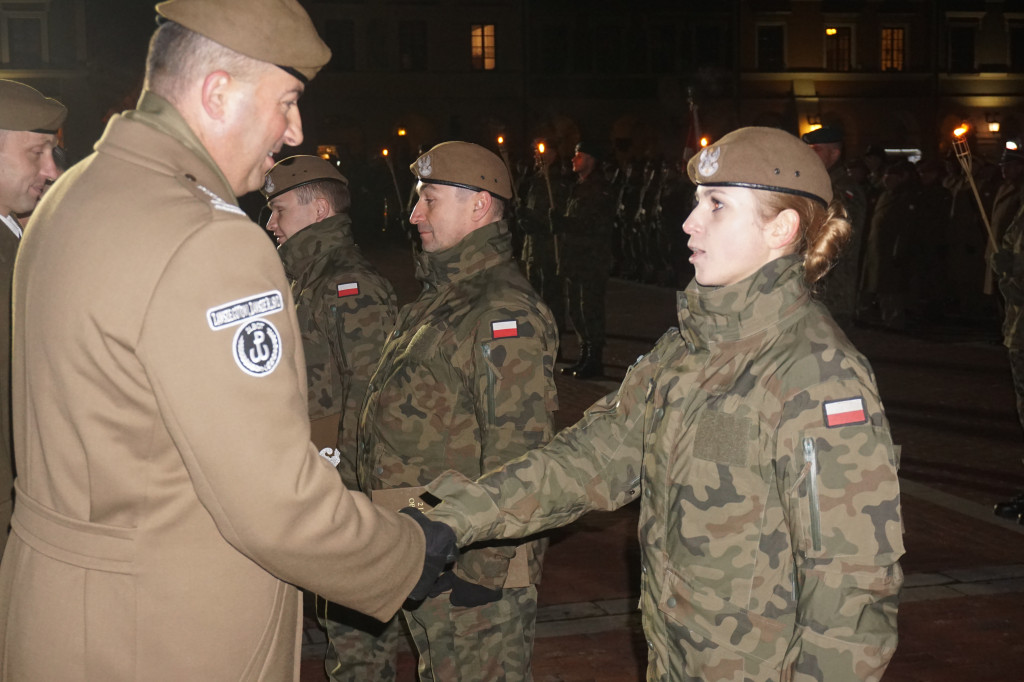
<point>846,412</point>
<point>504,329</point>
<point>348,289</point>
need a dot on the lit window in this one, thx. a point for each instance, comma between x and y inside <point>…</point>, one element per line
<point>892,49</point>
<point>838,48</point>
<point>482,46</point>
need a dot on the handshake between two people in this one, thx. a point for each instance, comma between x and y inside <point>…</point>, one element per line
<point>437,578</point>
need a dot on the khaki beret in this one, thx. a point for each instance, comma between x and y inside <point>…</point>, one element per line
<point>275,31</point>
<point>466,165</point>
<point>762,158</point>
<point>24,108</point>
<point>296,171</point>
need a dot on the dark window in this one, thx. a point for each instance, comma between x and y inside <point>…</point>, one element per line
<point>838,48</point>
<point>892,49</point>
<point>26,41</point>
<point>339,34</point>
<point>663,48</point>
<point>608,58</point>
<point>771,48</point>
<point>1017,48</point>
<point>551,50</point>
<point>961,49</point>
<point>412,45</point>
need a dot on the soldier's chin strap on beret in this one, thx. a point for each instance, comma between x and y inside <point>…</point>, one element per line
<point>441,550</point>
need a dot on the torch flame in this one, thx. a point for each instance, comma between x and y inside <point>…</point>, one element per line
<point>501,139</point>
<point>961,131</point>
<point>540,147</point>
<point>384,152</point>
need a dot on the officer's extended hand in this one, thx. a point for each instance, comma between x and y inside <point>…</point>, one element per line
<point>441,550</point>
<point>464,593</point>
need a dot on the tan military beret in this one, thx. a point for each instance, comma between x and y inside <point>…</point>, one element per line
<point>763,158</point>
<point>24,108</point>
<point>466,165</point>
<point>274,31</point>
<point>295,171</point>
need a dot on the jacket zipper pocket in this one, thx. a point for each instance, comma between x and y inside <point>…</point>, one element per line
<point>491,420</point>
<point>811,459</point>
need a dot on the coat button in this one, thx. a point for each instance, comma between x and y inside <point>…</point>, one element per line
<point>671,603</point>
<point>379,470</point>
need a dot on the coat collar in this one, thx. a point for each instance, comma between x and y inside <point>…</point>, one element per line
<point>481,249</point>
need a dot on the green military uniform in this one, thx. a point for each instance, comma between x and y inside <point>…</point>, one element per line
<point>465,382</point>
<point>1008,266</point>
<point>346,309</point>
<point>540,249</point>
<point>586,258</point>
<point>839,287</point>
<point>770,523</point>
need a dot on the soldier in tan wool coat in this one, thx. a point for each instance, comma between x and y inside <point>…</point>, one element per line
<point>168,497</point>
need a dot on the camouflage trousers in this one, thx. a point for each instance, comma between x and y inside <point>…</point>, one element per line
<point>1017,370</point>
<point>454,643</point>
<point>543,272</point>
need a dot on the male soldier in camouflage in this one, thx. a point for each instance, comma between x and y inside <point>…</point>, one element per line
<point>545,194</point>
<point>839,287</point>
<point>586,256</point>
<point>28,127</point>
<point>345,310</point>
<point>465,382</point>
<point>770,523</point>
<point>1008,265</point>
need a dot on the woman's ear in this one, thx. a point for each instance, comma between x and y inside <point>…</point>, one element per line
<point>782,231</point>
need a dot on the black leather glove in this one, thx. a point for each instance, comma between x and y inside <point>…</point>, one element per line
<point>464,593</point>
<point>441,550</point>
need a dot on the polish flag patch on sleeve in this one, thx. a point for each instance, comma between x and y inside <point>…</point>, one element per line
<point>845,412</point>
<point>504,329</point>
<point>350,289</point>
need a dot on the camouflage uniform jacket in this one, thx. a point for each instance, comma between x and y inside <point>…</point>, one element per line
<point>345,310</point>
<point>586,229</point>
<point>769,539</point>
<point>466,380</point>
<point>1008,266</point>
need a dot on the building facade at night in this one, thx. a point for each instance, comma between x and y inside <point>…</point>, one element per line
<point>900,73</point>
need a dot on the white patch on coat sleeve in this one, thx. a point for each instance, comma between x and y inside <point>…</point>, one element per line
<point>257,348</point>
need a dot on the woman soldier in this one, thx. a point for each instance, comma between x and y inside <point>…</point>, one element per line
<point>770,524</point>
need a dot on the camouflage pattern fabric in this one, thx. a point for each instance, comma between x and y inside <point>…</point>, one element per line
<point>345,309</point>
<point>1008,266</point>
<point>770,525</point>
<point>838,289</point>
<point>540,250</point>
<point>586,254</point>
<point>490,642</point>
<point>465,382</point>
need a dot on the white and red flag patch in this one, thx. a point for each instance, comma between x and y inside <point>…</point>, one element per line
<point>504,329</point>
<point>350,289</point>
<point>845,412</point>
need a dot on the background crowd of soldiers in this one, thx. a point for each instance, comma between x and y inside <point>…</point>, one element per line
<point>917,258</point>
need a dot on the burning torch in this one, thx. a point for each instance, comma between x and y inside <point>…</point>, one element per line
<point>963,155</point>
<point>541,148</point>
<point>504,157</point>
<point>394,178</point>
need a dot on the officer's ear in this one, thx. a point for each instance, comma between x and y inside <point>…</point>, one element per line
<point>215,94</point>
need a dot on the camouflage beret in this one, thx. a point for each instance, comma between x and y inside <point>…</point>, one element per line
<point>466,165</point>
<point>24,108</point>
<point>275,31</point>
<point>762,158</point>
<point>824,135</point>
<point>296,171</point>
